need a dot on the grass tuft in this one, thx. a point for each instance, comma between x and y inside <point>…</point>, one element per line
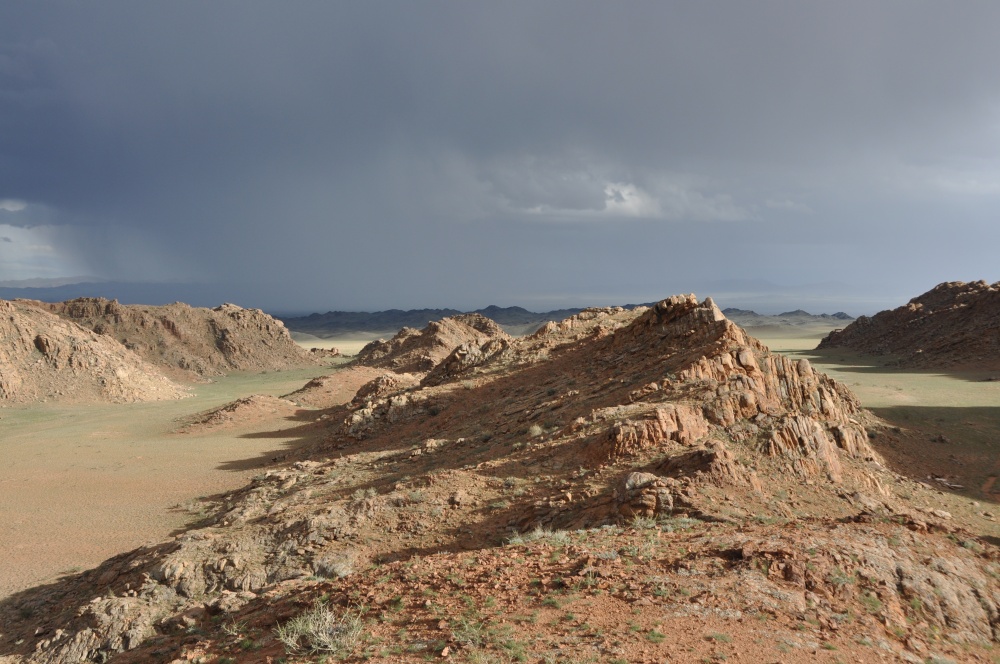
<point>320,630</point>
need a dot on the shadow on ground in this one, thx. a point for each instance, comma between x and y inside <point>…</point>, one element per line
<point>959,445</point>
<point>854,362</point>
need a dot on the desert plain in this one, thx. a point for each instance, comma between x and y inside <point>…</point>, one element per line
<point>81,482</point>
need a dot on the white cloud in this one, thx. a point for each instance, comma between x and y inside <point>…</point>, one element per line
<point>620,199</point>
<point>12,204</point>
<point>623,199</point>
<point>570,186</point>
<point>665,200</point>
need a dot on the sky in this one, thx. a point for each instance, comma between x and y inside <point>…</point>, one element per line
<point>309,156</point>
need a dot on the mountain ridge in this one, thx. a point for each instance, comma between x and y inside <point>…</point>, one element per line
<point>955,325</point>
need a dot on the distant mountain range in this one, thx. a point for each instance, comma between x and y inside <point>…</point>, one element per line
<point>798,313</point>
<point>153,294</point>
<point>515,320</point>
<point>748,318</point>
<point>43,282</point>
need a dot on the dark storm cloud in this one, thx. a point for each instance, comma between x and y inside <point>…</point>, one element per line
<point>381,154</point>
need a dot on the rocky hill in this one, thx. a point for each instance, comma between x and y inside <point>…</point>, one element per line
<point>622,486</point>
<point>43,357</point>
<point>955,325</point>
<point>189,340</point>
<point>421,350</point>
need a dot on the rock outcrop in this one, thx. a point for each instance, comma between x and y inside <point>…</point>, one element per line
<point>381,386</point>
<point>337,389</point>
<point>707,378</point>
<point>44,357</point>
<point>189,340</point>
<point>245,411</point>
<point>465,359</point>
<point>669,423</point>
<point>955,325</point>
<point>412,351</point>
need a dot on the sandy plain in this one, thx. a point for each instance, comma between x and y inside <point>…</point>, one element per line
<point>347,344</point>
<point>79,484</point>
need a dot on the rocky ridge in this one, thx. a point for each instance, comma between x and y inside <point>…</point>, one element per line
<point>657,469</point>
<point>188,341</point>
<point>412,350</point>
<point>242,412</point>
<point>955,325</point>
<point>43,357</point>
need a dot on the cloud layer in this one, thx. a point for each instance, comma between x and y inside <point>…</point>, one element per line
<point>374,154</point>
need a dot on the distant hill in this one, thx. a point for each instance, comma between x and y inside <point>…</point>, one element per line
<point>955,325</point>
<point>47,358</point>
<point>43,282</point>
<point>799,313</point>
<point>190,340</point>
<point>515,320</point>
<point>748,318</point>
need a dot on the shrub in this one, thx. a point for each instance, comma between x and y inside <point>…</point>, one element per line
<point>557,537</point>
<point>319,630</point>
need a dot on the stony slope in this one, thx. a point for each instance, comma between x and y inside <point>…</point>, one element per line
<point>192,340</point>
<point>621,486</point>
<point>955,325</point>
<point>43,357</point>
